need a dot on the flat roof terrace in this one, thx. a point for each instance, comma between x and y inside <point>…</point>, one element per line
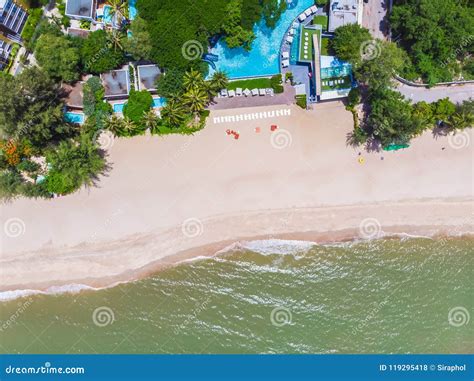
<point>80,8</point>
<point>116,83</point>
<point>306,48</point>
<point>147,76</point>
<point>343,12</point>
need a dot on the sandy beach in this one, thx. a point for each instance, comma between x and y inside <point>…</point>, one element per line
<point>171,198</point>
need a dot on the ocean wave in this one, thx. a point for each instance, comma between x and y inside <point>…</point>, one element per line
<point>6,296</point>
<point>273,246</point>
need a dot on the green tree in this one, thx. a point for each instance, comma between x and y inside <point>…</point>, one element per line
<point>73,163</point>
<point>31,109</point>
<point>139,44</point>
<point>443,110</point>
<point>139,102</point>
<point>170,83</point>
<point>58,57</point>
<point>378,71</point>
<point>193,80</point>
<point>173,113</point>
<point>349,43</point>
<point>195,99</point>
<point>115,124</point>
<point>219,80</point>
<point>236,35</point>
<point>391,119</point>
<point>98,54</point>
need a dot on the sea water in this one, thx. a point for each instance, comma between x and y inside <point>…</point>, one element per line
<point>403,295</point>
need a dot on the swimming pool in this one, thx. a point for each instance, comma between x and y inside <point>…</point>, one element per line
<point>157,103</point>
<point>263,59</point>
<point>118,107</point>
<point>108,18</point>
<point>132,9</point>
<point>74,117</point>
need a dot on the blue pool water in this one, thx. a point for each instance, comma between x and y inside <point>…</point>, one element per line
<point>108,19</point>
<point>118,107</point>
<point>132,9</point>
<point>74,117</point>
<point>159,102</point>
<point>263,59</point>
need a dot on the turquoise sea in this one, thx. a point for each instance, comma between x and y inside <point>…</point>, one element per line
<point>384,296</point>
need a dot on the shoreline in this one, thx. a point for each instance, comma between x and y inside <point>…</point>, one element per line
<point>456,225</point>
<point>168,199</point>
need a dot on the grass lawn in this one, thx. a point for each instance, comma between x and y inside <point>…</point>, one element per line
<point>325,46</point>
<point>321,20</point>
<point>310,32</point>
<point>325,86</point>
<point>257,83</point>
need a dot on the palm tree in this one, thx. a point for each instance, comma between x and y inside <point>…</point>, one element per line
<point>128,126</point>
<point>118,10</point>
<point>150,120</point>
<point>210,89</point>
<point>196,100</point>
<point>116,39</point>
<point>219,80</point>
<point>192,80</point>
<point>173,113</point>
<point>460,121</point>
<point>115,125</point>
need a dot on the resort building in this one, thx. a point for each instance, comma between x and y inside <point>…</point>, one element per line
<point>75,95</point>
<point>116,83</point>
<point>147,77</point>
<point>12,19</point>
<point>5,50</point>
<point>81,9</point>
<point>344,12</point>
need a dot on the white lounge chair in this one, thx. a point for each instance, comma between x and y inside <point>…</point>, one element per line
<point>224,93</point>
<point>302,17</point>
<point>254,92</point>
<point>307,12</point>
<point>270,92</point>
<point>289,39</point>
<point>295,24</point>
<point>247,92</point>
<point>285,54</point>
<point>231,93</point>
<point>285,63</point>
<point>313,9</point>
<point>238,91</point>
<point>261,92</point>
<point>292,32</point>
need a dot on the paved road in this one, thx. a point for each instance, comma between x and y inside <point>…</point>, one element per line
<point>455,93</point>
<point>375,18</point>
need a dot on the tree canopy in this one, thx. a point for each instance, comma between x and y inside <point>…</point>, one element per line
<point>435,33</point>
<point>58,56</point>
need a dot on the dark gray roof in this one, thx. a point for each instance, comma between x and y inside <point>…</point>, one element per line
<point>80,8</point>
<point>147,76</point>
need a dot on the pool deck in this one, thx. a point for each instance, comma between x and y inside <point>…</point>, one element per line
<point>285,98</point>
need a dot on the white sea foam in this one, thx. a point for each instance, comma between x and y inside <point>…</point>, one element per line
<point>68,288</point>
<point>278,246</point>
